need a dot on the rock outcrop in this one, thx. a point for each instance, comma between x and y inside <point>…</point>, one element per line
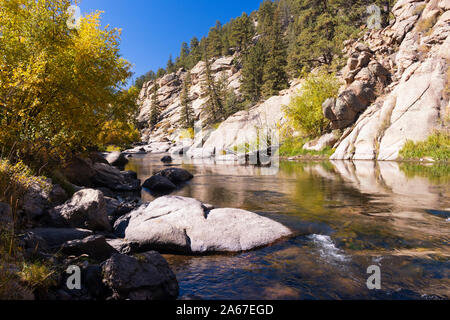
<point>395,88</point>
<point>186,225</point>
<point>415,57</point>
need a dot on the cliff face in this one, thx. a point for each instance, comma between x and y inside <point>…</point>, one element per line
<point>395,88</point>
<point>397,83</point>
<point>169,97</point>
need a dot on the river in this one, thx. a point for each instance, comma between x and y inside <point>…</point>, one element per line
<point>347,216</point>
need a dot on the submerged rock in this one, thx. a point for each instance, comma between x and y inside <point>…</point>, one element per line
<point>145,277</point>
<point>186,225</point>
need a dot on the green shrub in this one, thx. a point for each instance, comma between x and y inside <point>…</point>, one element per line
<point>305,110</point>
<point>437,146</point>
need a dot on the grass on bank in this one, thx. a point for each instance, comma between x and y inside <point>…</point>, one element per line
<point>19,278</point>
<point>293,146</point>
<point>437,146</point>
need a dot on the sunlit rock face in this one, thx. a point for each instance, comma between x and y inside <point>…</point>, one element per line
<point>414,103</point>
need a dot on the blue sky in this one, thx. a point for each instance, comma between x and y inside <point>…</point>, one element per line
<point>154,29</point>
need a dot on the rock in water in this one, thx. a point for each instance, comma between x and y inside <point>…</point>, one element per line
<point>166,159</point>
<point>159,184</point>
<point>86,209</point>
<point>145,277</point>
<point>176,175</point>
<point>117,159</point>
<point>186,225</point>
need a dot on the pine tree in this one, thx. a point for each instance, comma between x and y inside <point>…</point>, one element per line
<point>187,115</point>
<point>161,72</point>
<point>155,110</point>
<point>170,65</point>
<point>253,72</point>
<point>242,32</point>
<point>265,16</point>
<point>213,108</point>
<point>275,77</point>
<point>184,54</point>
<point>215,40</point>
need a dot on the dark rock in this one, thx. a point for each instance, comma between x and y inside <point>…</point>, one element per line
<point>79,171</point>
<point>36,200</point>
<point>176,175</point>
<point>117,159</point>
<point>166,159</point>
<point>93,281</point>
<point>120,225</point>
<point>55,237</point>
<point>145,277</point>
<point>159,184</point>
<point>94,246</point>
<point>86,209</point>
<point>97,157</point>
<point>111,178</point>
<point>129,175</point>
<point>58,195</point>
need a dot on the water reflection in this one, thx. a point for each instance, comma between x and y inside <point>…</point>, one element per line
<point>347,215</point>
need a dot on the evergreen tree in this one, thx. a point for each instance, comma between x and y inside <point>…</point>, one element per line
<point>242,32</point>
<point>184,54</point>
<point>155,110</point>
<point>195,54</point>
<point>170,65</point>
<point>265,16</point>
<point>161,72</point>
<point>187,115</point>
<point>213,108</point>
<point>253,72</point>
<point>275,77</point>
<point>215,40</point>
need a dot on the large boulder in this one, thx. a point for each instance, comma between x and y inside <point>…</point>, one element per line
<point>94,246</point>
<point>113,179</point>
<point>36,199</point>
<point>55,237</point>
<point>186,225</point>
<point>117,159</point>
<point>145,277</point>
<point>79,171</point>
<point>86,209</point>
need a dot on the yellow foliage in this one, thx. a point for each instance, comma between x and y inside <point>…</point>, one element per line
<point>58,86</point>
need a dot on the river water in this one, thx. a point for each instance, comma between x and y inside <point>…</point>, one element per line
<point>347,216</point>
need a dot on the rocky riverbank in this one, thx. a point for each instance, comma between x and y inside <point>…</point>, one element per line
<point>115,239</point>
